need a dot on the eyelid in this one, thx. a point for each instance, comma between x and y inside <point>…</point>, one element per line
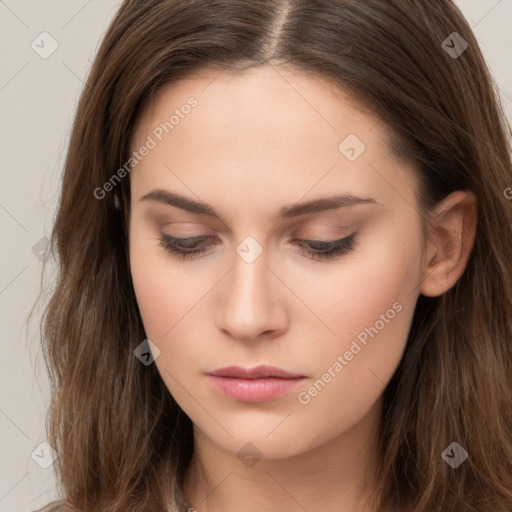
<point>331,220</point>
<point>335,248</point>
<point>187,239</point>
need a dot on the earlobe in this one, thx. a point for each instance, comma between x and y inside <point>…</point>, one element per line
<point>452,233</point>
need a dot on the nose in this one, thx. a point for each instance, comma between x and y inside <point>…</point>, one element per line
<point>250,303</point>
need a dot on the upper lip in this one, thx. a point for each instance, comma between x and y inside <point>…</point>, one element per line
<point>258,372</point>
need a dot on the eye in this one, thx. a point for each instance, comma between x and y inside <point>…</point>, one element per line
<point>325,250</point>
<point>186,248</point>
<point>183,247</point>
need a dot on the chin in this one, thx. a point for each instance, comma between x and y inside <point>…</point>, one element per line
<point>252,442</point>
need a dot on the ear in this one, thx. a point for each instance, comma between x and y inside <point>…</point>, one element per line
<point>451,236</point>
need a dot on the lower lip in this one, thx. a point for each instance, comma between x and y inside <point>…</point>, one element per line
<point>255,390</point>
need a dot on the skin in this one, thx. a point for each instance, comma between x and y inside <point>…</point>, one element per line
<point>256,142</point>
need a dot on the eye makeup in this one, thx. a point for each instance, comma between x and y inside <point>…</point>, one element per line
<point>194,247</point>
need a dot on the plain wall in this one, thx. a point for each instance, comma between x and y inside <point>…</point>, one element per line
<point>38,98</point>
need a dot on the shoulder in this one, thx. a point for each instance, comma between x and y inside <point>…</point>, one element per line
<point>56,506</point>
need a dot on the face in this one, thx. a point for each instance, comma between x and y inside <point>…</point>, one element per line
<point>272,276</point>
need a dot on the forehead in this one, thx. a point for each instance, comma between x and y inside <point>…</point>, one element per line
<point>269,132</point>
<point>262,103</point>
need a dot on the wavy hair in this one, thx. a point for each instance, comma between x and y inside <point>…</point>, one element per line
<point>123,443</point>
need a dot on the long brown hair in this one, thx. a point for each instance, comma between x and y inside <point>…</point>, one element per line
<point>123,443</point>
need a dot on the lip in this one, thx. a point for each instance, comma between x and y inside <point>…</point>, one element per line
<point>259,384</point>
<point>258,372</point>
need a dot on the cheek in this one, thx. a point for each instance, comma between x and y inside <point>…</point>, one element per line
<point>352,371</point>
<point>381,271</point>
<point>172,304</point>
<point>369,308</point>
<point>161,287</point>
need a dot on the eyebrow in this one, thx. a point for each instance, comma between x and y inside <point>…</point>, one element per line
<point>333,202</point>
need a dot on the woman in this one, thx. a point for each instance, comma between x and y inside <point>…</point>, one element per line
<point>285,276</point>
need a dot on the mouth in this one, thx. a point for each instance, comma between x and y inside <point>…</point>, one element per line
<point>259,384</point>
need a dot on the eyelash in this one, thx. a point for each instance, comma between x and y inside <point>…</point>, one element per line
<point>337,247</point>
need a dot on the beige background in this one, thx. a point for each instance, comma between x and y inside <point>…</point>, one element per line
<point>37,103</point>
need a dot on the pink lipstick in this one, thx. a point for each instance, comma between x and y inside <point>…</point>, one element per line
<point>258,384</point>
